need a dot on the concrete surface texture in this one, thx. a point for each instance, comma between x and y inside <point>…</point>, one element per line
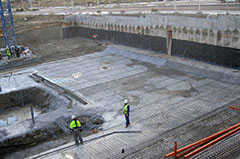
<point>221,23</point>
<point>162,98</point>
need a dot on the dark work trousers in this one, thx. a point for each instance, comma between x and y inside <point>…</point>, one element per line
<point>77,136</point>
<point>127,120</point>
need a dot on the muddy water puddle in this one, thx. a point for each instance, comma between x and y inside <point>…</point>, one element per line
<point>17,114</point>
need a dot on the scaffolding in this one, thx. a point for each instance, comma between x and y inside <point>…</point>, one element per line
<point>7,23</point>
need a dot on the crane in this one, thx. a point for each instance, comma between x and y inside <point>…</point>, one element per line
<point>7,23</point>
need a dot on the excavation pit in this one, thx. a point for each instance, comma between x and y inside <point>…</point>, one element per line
<point>17,114</point>
<point>18,132</point>
<point>16,105</point>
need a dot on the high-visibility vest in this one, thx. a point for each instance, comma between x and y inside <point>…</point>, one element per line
<point>8,53</point>
<point>94,36</point>
<point>74,124</point>
<point>125,110</point>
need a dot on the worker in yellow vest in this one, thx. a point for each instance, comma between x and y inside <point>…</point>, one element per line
<point>75,126</point>
<point>126,111</point>
<point>8,53</point>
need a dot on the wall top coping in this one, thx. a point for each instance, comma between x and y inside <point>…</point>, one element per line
<point>222,22</point>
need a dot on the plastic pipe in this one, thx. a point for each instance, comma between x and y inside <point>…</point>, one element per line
<point>233,107</point>
<point>175,150</point>
<point>204,140</point>
<point>212,142</point>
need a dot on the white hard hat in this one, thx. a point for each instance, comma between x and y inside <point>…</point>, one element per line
<point>73,117</point>
<point>125,101</point>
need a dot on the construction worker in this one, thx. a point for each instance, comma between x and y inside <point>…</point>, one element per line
<point>17,51</point>
<point>75,126</point>
<point>11,76</point>
<point>12,50</point>
<point>94,37</point>
<point>8,53</point>
<point>126,111</point>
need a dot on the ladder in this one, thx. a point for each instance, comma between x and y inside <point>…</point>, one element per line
<point>7,23</point>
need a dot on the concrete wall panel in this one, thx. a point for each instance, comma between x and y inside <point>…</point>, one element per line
<point>214,39</point>
<point>211,23</point>
<point>223,56</point>
<point>128,39</point>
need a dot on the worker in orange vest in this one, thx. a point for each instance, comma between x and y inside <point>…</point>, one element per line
<point>94,37</point>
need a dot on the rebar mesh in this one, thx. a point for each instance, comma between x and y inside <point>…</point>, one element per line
<point>228,148</point>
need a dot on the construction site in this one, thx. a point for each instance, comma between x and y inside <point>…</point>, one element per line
<point>177,63</point>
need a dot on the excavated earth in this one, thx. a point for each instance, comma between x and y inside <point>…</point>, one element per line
<point>43,35</point>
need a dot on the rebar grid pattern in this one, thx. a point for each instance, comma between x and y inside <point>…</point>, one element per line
<point>227,148</point>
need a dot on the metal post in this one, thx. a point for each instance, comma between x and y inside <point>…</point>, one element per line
<point>22,98</point>
<point>12,24</point>
<point>199,6</point>
<point>31,5</point>
<point>22,4</point>
<point>227,8</point>
<point>32,114</point>
<point>72,4</point>
<point>98,3</point>
<point>3,24</point>
<point>39,4</point>
<point>175,7</point>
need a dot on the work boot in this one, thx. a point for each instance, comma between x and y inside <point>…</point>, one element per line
<point>81,142</point>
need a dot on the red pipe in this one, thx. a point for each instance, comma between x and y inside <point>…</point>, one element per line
<point>233,107</point>
<point>204,140</point>
<point>175,150</point>
<point>215,144</point>
<point>210,143</point>
<point>191,149</point>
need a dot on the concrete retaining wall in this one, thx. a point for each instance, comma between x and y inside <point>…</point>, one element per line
<point>215,39</point>
<point>214,30</point>
<point>223,56</point>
